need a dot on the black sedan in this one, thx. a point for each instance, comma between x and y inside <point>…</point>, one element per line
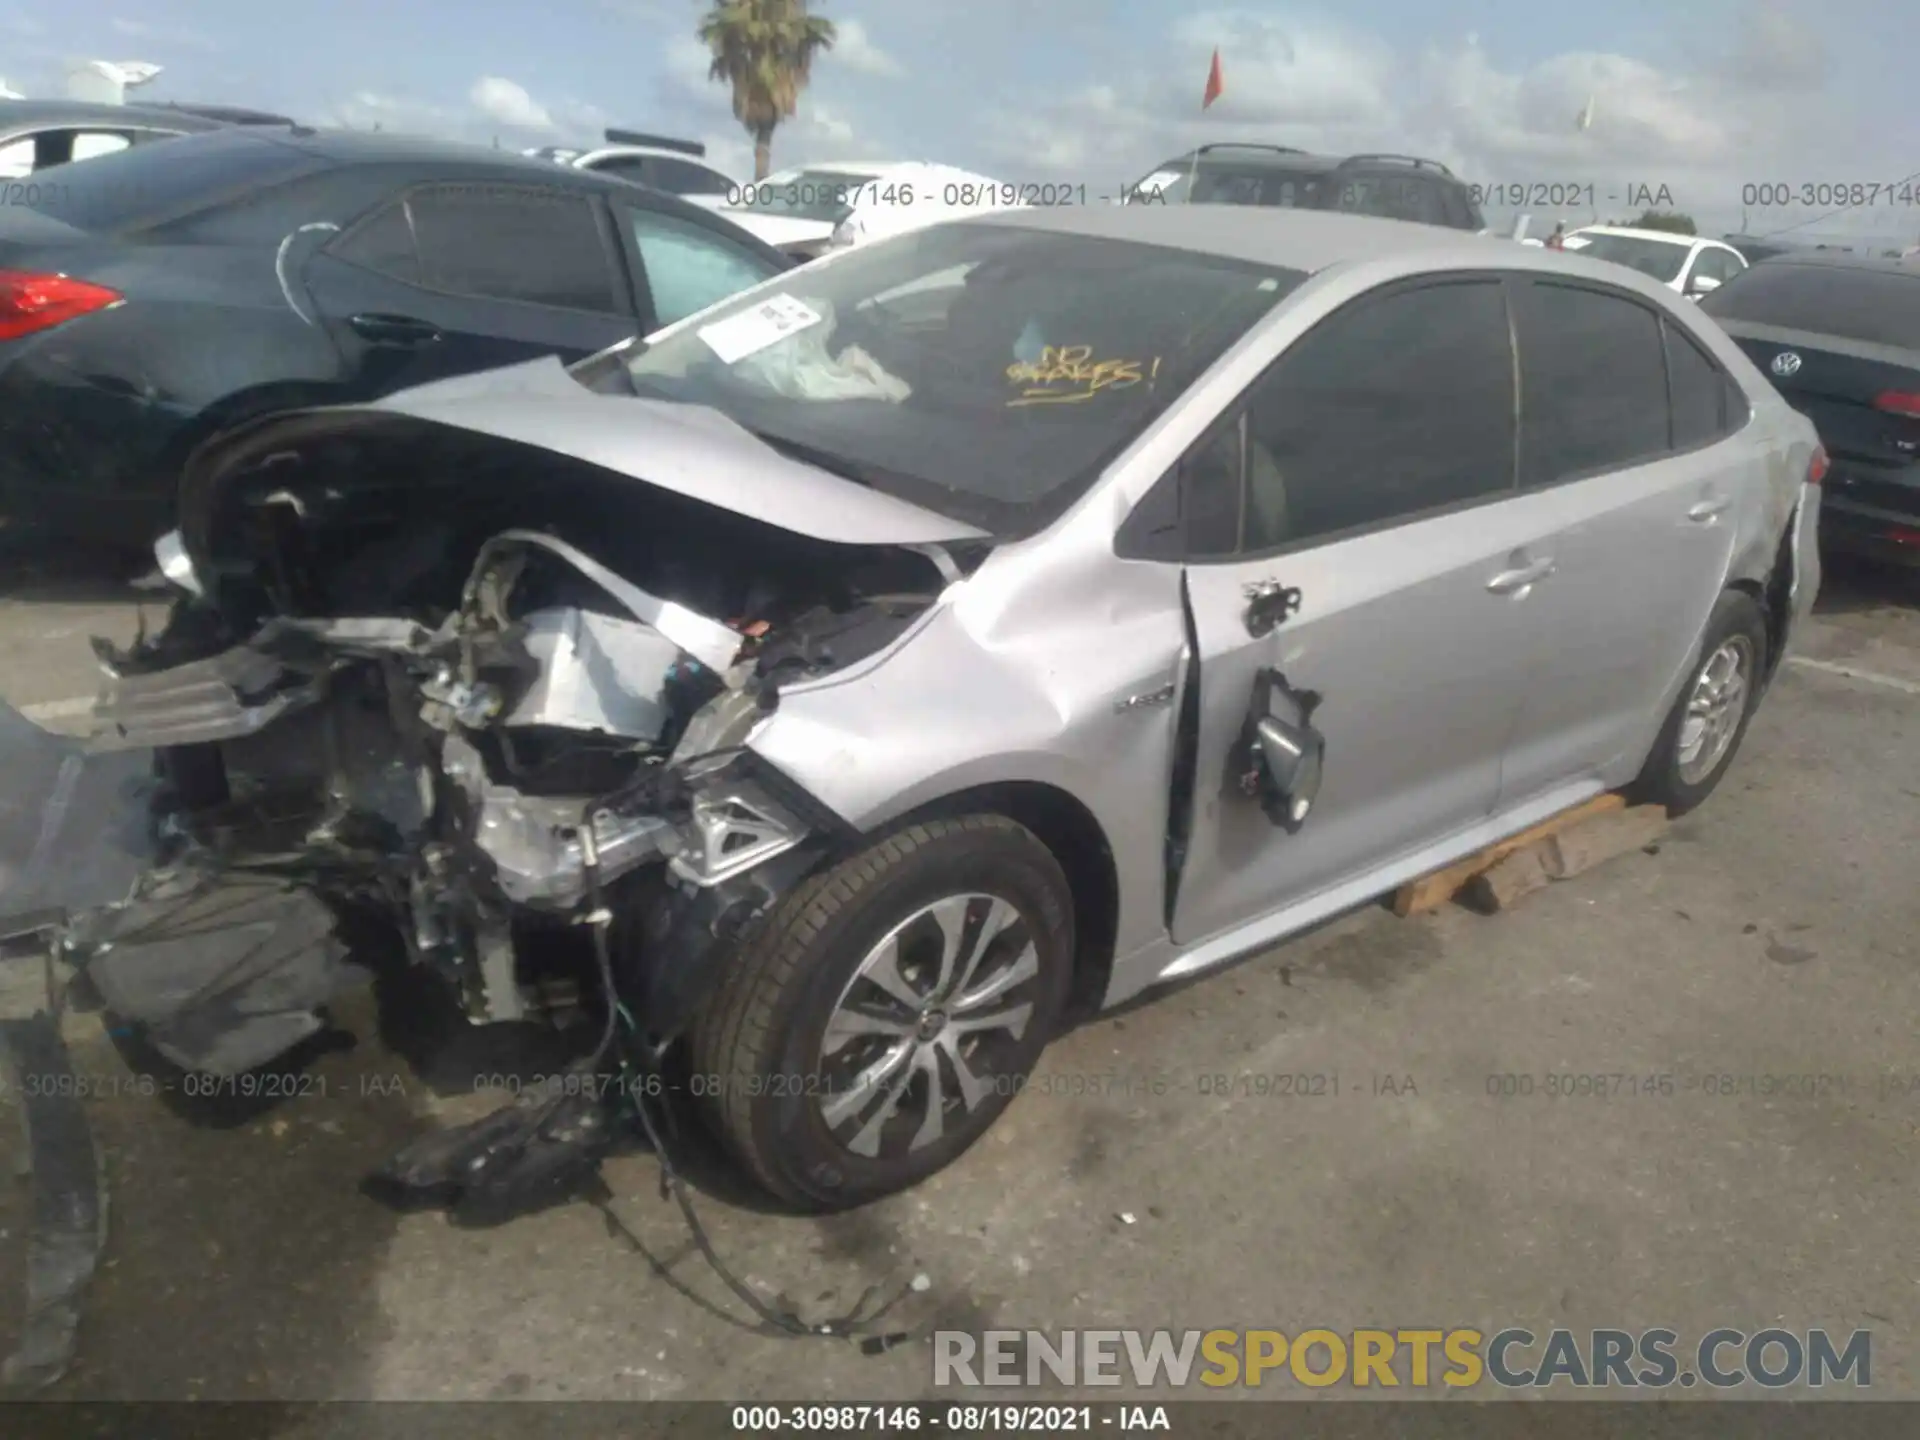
<point>1839,336</point>
<point>150,298</point>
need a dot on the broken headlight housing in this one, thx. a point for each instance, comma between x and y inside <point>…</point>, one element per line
<point>734,820</point>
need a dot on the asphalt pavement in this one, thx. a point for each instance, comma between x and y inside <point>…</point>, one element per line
<point>1766,955</point>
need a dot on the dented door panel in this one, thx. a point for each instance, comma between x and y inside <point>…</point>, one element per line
<point>1392,627</point>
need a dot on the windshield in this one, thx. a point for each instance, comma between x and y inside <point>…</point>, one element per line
<point>1660,259</point>
<point>1881,307</point>
<point>140,187</point>
<point>826,195</point>
<point>985,371</point>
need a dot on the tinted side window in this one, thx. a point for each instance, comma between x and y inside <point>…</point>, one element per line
<point>1390,407</point>
<point>383,242</point>
<point>689,268</point>
<point>507,243</point>
<point>1593,392</point>
<point>1393,197</point>
<point>1699,391</point>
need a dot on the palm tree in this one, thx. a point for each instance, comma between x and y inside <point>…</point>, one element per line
<point>764,49</point>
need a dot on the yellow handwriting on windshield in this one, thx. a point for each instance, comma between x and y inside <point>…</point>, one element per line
<point>1068,374</point>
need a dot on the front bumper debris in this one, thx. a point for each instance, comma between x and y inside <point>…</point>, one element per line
<point>69,1210</point>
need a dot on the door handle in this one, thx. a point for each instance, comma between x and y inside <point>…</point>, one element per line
<point>1508,582</point>
<point>1707,509</point>
<point>1268,603</point>
<point>394,329</point>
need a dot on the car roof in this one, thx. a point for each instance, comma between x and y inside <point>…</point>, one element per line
<point>1306,240</point>
<point>1287,158</point>
<point>363,146</point>
<point>1668,237</point>
<point>17,113</point>
<point>601,152</point>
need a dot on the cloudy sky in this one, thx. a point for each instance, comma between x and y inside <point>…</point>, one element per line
<point>1703,98</point>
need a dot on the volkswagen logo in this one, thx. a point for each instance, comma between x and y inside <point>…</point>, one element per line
<point>1786,363</point>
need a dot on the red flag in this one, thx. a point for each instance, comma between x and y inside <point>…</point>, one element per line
<point>1214,83</point>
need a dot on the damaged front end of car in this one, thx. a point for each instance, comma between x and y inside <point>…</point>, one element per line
<point>484,694</point>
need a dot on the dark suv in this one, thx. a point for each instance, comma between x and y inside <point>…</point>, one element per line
<point>1394,187</point>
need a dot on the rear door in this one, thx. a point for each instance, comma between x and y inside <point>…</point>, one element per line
<point>1644,494</point>
<point>1368,475</point>
<point>450,278</point>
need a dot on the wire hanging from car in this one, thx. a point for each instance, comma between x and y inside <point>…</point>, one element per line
<point>857,1325</point>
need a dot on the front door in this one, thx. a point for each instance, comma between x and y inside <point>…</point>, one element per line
<point>1370,473</point>
<point>450,279</point>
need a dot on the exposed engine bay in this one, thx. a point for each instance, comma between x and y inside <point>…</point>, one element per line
<point>504,710</point>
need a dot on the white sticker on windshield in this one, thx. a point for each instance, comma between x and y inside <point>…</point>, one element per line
<point>753,330</point>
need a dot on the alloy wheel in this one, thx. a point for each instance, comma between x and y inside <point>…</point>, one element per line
<point>1714,708</point>
<point>929,1027</point>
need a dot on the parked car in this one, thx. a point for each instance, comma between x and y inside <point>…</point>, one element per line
<point>1690,265</point>
<point>36,135</point>
<point>875,689</point>
<point>1394,187</point>
<point>809,211</point>
<point>676,166</point>
<point>151,298</point>
<point>1755,248</point>
<point>1839,337</point>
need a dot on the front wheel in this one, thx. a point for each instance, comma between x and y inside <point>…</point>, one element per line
<point>1704,730</point>
<point>883,1015</point>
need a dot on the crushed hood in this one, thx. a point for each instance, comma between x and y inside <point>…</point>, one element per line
<point>688,449</point>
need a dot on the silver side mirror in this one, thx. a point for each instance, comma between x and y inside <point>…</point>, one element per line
<point>1282,754</point>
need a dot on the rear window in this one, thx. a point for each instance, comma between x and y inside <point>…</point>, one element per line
<point>148,184</point>
<point>1880,307</point>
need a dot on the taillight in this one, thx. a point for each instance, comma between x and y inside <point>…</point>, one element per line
<point>30,302</point>
<point>1817,466</point>
<point>1898,402</point>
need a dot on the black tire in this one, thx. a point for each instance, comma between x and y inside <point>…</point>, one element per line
<point>1737,620</point>
<point>756,1064</point>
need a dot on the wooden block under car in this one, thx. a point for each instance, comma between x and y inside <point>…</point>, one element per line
<point>1561,856</point>
<point>1431,891</point>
